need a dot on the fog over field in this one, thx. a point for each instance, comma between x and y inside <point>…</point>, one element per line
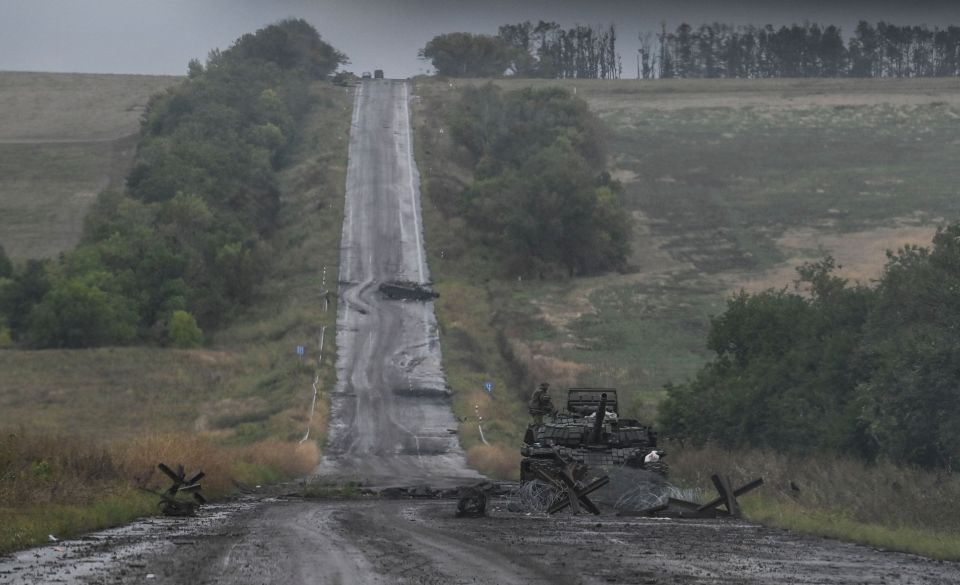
<point>159,37</point>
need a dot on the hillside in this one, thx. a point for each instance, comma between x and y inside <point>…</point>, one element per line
<point>246,385</point>
<point>732,184</point>
<point>237,408</point>
<point>64,137</point>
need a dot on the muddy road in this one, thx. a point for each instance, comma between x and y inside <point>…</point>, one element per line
<point>355,541</point>
<point>390,427</point>
<point>391,420</point>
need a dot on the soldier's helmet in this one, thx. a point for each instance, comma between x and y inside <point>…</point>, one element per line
<point>544,386</point>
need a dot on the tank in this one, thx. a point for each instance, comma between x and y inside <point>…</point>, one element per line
<point>410,291</point>
<point>590,431</point>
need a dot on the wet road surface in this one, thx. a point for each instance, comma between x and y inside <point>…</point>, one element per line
<point>391,420</point>
<point>353,541</point>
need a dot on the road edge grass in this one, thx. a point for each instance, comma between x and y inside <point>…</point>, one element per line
<point>33,526</point>
<point>290,308</point>
<point>90,485</point>
<point>935,544</point>
<point>889,506</point>
<point>491,424</point>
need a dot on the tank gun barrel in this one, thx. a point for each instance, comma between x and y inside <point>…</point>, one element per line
<point>597,434</point>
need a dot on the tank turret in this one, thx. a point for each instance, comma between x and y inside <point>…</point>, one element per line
<point>590,431</point>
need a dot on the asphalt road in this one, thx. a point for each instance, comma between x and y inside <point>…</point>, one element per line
<point>390,427</point>
<point>391,420</point>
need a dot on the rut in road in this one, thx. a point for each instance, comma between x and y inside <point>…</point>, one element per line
<point>391,420</point>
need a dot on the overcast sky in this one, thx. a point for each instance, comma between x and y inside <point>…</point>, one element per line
<point>161,36</point>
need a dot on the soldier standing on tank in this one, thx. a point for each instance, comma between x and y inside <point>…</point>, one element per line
<point>540,403</point>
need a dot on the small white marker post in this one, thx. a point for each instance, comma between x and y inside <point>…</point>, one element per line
<point>326,291</point>
<point>476,409</point>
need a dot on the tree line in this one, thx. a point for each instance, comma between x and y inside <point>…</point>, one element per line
<point>541,197</point>
<point>800,50</point>
<point>183,247</point>
<point>834,367</point>
<point>525,49</point>
<point>717,50</point>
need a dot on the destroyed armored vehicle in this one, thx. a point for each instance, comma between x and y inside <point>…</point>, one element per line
<point>410,291</point>
<point>590,432</point>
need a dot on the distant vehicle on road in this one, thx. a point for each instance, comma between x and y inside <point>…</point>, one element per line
<point>410,291</point>
<point>366,75</point>
<point>378,74</point>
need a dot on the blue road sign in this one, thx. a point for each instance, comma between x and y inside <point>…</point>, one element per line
<point>488,386</point>
<point>300,350</point>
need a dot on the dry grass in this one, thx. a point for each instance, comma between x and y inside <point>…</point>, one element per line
<point>861,255</point>
<point>64,486</point>
<point>533,356</point>
<point>44,469</point>
<point>495,460</point>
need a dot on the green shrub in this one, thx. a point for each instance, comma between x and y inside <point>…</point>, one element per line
<point>182,330</point>
<point>832,367</point>
<point>541,198</point>
<point>77,312</point>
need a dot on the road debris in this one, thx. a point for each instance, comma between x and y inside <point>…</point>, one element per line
<point>473,502</point>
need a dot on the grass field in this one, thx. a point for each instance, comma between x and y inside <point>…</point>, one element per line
<point>891,507</point>
<point>238,408</point>
<point>64,137</point>
<point>732,185</point>
<point>249,384</point>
